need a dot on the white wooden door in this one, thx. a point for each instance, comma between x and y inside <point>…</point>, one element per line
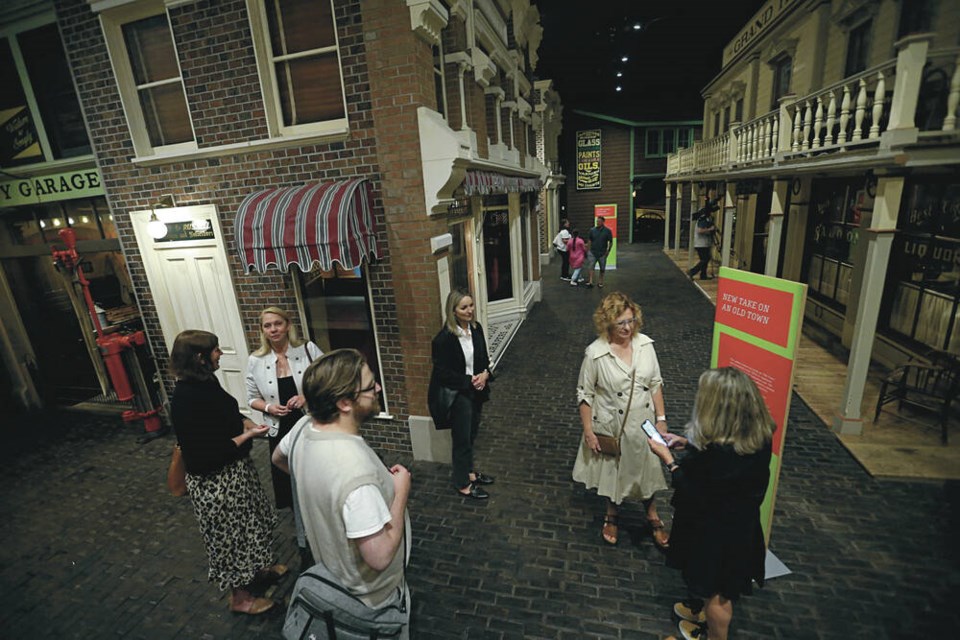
<point>191,285</point>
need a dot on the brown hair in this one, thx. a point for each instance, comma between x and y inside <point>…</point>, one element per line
<point>190,355</point>
<point>729,410</point>
<point>612,307</point>
<point>331,378</point>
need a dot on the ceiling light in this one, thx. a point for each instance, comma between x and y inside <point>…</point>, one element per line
<point>619,74</point>
<point>84,219</point>
<point>43,224</point>
<point>619,88</point>
<point>637,26</point>
<point>71,221</point>
<point>56,222</point>
<point>624,59</point>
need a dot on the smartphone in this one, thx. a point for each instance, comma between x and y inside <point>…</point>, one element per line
<point>652,432</point>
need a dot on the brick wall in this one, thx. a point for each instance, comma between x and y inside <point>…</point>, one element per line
<point>220,79</point>
<point>614,175</point>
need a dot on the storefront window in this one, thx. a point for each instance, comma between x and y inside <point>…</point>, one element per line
<point>39,224</point>
<point>923,279</point>
<point>835,220</point>
<point>496,253</point>
<point>337,306</point>
<point>459,258</point>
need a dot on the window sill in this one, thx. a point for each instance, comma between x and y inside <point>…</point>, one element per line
<point>242,148</point>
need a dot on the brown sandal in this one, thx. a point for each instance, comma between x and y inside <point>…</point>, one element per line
<point>659,532</point>
<point>610,530</point>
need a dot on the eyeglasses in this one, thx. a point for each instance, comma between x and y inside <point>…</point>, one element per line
<point>625,323</point>
<point>373,387</point>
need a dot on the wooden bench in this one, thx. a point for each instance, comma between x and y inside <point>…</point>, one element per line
<point>930,383</point>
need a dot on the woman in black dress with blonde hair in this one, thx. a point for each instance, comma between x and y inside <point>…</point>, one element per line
<point>717,540</point>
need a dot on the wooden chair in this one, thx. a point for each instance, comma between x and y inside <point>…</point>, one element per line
<point>930,384</point>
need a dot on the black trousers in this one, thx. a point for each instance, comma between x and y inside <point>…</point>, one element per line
<point>465,419</point>
<point>564,264</point>
<point>704,254</point>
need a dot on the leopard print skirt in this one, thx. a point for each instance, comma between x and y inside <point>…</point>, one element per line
<point>236,521</point>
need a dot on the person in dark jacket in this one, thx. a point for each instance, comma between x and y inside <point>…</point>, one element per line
<point>461,362</point>
<point>236,519</point>
<point>717,540</point>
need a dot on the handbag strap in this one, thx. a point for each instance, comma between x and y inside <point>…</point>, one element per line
<point>626,413</point>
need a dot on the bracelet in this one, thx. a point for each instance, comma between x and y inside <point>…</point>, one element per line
<point>266,409</point>
<point>672,466</point>
<point>661,418</point>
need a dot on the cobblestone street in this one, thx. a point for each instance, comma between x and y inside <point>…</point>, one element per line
<point>95,547</point>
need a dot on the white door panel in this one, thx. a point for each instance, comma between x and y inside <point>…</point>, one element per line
<point>191,284</point>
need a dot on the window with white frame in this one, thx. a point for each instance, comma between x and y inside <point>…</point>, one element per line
<point>39,110</point>
<point>858,48</point>
<point>298,60</point>
<point>439,82</point>
<point>782,73</point>
<point>147,70</point>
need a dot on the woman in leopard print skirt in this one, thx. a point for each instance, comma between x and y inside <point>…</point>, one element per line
<point>236,519</point>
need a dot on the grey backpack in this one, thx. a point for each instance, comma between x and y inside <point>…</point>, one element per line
<point>322,609</point>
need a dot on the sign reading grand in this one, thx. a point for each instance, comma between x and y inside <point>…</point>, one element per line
<point>761,21</point>
<point>84,183</point>
<point>588,159</point>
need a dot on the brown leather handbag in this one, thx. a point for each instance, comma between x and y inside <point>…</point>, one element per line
<point>177,473</point>
<point>610,446</point>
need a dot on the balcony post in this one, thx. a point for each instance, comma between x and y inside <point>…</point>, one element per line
<point>911,56</point>
<point>729,211</point>
<point>668,202</point>
<point>775,230</point>
<point>733,137</point>
<point>879,237</point>
<point>677,220</point>
<point>785,135</point>
<point>695,196</point>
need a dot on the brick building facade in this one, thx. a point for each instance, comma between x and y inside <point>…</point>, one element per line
<point>399,95</point>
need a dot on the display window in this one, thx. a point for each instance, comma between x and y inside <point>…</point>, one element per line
<point>835,211</point>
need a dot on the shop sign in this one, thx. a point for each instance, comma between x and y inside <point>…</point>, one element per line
<point>588,159</point>
<point>84,183</point>
<point>758,26</point>
<point>18,136</point>
<point>188,230</point>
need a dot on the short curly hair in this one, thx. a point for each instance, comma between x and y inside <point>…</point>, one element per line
<point>612,307</point>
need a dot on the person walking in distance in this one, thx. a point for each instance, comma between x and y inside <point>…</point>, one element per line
<point>560,242</point>
<point>703,239</point>
<point>354,507</point>
<point>601,241</point>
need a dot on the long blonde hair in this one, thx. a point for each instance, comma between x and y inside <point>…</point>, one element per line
<point>729,410</point>
<point>293,338</point>
<point>451,309</point>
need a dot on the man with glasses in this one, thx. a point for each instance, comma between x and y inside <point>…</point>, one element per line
<point>354,508</point>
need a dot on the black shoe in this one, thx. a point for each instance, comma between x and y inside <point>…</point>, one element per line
<point>475,492</point>
<point>707,278</point>
<point>589,286</point>
<point>482,478</point>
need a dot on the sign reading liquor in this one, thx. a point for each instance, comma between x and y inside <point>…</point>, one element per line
<point>588,159</point>
<point>83,183</point>
<point>757,330</point>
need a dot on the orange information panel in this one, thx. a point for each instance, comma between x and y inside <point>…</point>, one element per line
<point>757,330</point>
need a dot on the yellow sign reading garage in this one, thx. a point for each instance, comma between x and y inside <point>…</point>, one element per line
<point>84,183</point>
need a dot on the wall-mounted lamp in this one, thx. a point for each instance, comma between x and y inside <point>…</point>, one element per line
<point>156,227</point>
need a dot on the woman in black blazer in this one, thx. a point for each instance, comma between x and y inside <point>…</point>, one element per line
<point>461,363</point>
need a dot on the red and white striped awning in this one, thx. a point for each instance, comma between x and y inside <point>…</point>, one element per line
<point>325,222</point>
<point>487,182</point>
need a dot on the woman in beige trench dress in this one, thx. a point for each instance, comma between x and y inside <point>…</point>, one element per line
<point>603,392</point>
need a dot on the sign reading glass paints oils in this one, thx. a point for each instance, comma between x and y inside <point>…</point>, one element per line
<point>188,230</point>
<point>83,183</point>
<point>588,159</point>
<point>757,330</point>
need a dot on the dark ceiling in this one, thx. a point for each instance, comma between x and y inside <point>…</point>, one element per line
<point>673,54</point>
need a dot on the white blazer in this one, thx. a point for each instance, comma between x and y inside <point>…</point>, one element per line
<point>262,377</point>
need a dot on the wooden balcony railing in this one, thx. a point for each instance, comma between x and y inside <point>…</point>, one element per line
<point>918,91</point>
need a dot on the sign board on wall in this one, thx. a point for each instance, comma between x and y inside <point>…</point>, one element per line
<point>83,183</point>
<point>757,330</point>
<point>588,160</point>
<point>609,214</point>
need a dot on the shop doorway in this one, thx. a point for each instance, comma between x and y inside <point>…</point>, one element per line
<point>190,281</point>
<point>497,256</point>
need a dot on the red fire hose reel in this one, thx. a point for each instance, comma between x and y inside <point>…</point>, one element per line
<point>113,347</point>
